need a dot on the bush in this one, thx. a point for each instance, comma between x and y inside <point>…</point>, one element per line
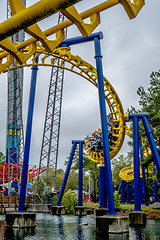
<point>117,199</point>
<point>54,200</point>
<point>69,201</point>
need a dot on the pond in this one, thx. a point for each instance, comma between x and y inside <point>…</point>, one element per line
<point>69,227</point>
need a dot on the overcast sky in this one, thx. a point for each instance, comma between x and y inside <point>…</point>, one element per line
<point>130,49</point>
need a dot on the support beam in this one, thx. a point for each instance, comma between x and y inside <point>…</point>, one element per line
<point>102,188</point>
<point>106,150</point>
<point>137,200</point>
<point>80,182</point>
<point>28,138</point>
<point>155,186</point>
<point>66,174</point>
<point>143,174</point>
<point>128,192</point>
<point>31,15</point>
<point>151,143</point>
<point>123,191</point>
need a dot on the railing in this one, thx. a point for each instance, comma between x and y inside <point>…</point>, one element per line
<point>11,202</point>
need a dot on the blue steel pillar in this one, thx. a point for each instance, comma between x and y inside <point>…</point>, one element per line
<point>151,143</point>
<point>137,189</point>
<point>123,191</point>
<point>106,150</point>
<point>143,175</point>
<point>131,190</point>
<point>80,182</point>
<point>155,186</point>
<point>66,174</point>
<point>128,192</point>
<point>102,188</point>
<point>28,138</point>
<point>119,187</point>
<point>141,184</point>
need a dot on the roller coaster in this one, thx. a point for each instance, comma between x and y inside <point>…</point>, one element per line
<point>32,173</point>
<point>39,51</point>
<point>20,53</point>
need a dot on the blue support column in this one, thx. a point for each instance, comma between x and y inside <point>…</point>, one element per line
<point>137,189</point>
<point>151,143</point>
<point>128,192</point>
<point>102,188</point>
<point>80,39</point>
<point>80,182</point>
<point>106,150</point>
<point>141,184</point>
<point>28,138</point>
<point>120,185</point>
<point>123,191</point>
<point>143,174</point>
<point>155,186</point>
<point>132,190</point>
<point>66,174</point>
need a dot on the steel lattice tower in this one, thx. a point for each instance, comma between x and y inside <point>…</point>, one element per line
<point>50,140</point>
<point>15,138</point>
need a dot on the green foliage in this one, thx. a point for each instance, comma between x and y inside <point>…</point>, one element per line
<point>50,182</point>
<point>118,164</point>
<point>54,199</point>
<point>69,201</point>
<point>117,199</point>
<point>90,204</point>
<point>59,178</point>
<point>2,159</point>
<point>150,102</point>
<point>72,181</point>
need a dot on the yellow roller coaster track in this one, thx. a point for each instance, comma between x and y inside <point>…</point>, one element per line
<point>127,173</point>
<point>26,18</point>
<point>77,65</point>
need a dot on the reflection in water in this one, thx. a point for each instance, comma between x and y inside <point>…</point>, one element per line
<point>79,229</point>
<point>18,233</point>
<point>69,227</point>
<point>124,236</point>
<point>150,232</point>
<point>14,233</point>
<point>60,228</point>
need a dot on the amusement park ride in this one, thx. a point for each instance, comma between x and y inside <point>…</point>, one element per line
<point>40,51</point>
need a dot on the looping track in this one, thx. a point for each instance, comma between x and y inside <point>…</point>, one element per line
<point>127,173</point>
<point>78,66</point>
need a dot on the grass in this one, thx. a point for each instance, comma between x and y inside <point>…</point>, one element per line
<point>122,206</point>
<point>131,206</point>
<point>90,204</point>
<point>144,208</point>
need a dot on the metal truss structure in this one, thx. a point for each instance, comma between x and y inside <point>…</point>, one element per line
<point>15,138</point>
<point>50,140</point>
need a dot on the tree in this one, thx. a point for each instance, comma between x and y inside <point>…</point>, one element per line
<point>59,178</point>
<point>41,183</point>
<point>150,102</point>
<point>2,159</point>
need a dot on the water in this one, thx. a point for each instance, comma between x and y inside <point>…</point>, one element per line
<point>69,227</point>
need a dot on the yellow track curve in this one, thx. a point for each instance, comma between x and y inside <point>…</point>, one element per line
<point>77,65</point>
<point>127,174</point>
